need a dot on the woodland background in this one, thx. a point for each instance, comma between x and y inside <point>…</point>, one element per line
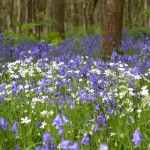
<point>39,16</point>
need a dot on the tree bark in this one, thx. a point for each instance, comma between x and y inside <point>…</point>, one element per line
<point>112,30</point>
<point>18,16</point>
<point>129,13</point>
<point>94,3</point>
<point>58,16</point>
<point>74,13</point>
<point>85,19</point>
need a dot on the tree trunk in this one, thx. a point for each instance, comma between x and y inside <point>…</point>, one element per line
<point>112,30</point>
<point>48,14</point>
<point>74,13</point>
<point>93,6</point>
<point>18,16</point>
<point>101,12</point>
<point>85,19</point>
<point>129,13</point>
<point>58,16</point>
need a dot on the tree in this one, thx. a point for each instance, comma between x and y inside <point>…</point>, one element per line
<point>58,16</point>
<point>112,29</point>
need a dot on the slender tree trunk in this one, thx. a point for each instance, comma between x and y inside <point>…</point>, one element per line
<point>137,11</point>
<point>11,15</point>
<point>30,11</point>
<point>113,25</point>
<point>101,12</point>
<point>93,6</point>
<point>74,13</point>
<point>58,16</point>
<point>145,15</point>
<point>18,17</point>
<point>129,13</point>
<point>4,14</point>
<point>85,19</point>
<point>48,14</point>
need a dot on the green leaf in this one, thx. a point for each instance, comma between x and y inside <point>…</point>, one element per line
<point>48,22</point>
<point>28,26</point>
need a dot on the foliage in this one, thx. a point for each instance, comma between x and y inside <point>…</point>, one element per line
<point>79,32</point>
<point>62,98</point>
<point>137,32</point>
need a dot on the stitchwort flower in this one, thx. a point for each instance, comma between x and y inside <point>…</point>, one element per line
<point>25,120</point>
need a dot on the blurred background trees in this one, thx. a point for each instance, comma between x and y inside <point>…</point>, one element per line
<point>45,16</point>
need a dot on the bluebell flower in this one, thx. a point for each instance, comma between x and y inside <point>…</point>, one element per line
<point>61,131</point>
<point>38,124</point>
<point>1,37</point>
<point>38,148</point>
<point>96,128</point>
<point>6,127</point>
<point>42,42</point>
<point>46,146</point>
<point>60,120</point>
<point>47,137</point>
<point>15,127</point>
<point>97,107</point>
<point>75,146</point>
<point>11,40</point>
<point>137,138</point>
<point>53,146</point>
<point>86,140</point>
<point>64,119</point>
<point>113,55</point>
<point>101,119</point>
<point>148,64</point>
<point>2,122</point>
<point>17,148</point>
<point>65,144</point>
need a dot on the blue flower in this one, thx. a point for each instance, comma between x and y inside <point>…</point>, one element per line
<point>38,148</point>
<point>148,64</point>
<point>11,40</point>
<point>75,146</point>
<point>96,128</point>
<point>6,127</point>
<point>15,127</point>
<point>60,120</point>
<point>137,138</point>
<point>113,56</point>
<point>65,144</point>
<point>2,122</point>
<point>61,131</point>
<point>86,139</point>
<point>17,148</point>
<point>47,137</point>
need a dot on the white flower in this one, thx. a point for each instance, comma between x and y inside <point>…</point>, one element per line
<point>139,110</point>
<point>137,77</point>
<point>25,120</point>
<point>80,80</point>
<point>113,134</point>
<point>103,147</point>
<point>51,112</point>
<point>77,71</point>
<point>43,125</point>
<point>144,91</point>
<point>43,113</point>
<point>107,72</point>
